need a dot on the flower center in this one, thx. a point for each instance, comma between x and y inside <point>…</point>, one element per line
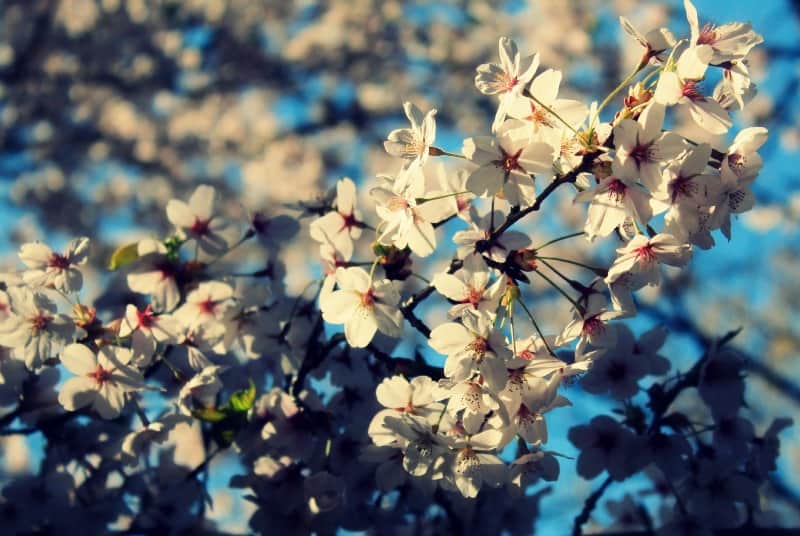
<point>616,190</point>
<point>691,89</point>
<point>683,187</point>
<point>57,261</point>
<point>200,227</point>
<point>479,347</point>
<point>539,116</point>
<point>368,298</point>
<point>593,326</point>
<point>348,221</point>
<point>509,162</point>
<point>39,322</point>
<point>144,319</point>
<point>708,35</point>
<point>474,297</point>
<point>207,306</point>
<point>645,254</point>
<point>508,82</point>
<point>101,375</point>
<point>641,153</point>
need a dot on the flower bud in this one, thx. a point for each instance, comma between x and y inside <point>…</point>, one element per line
<point>524,259</point>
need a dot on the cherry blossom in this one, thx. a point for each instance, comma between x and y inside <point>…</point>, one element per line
<point>470,288</point>
<point>154,273</point>
<point>343,225</point>
<point>47,268</point>
<point>205,229</point>
<point>471,345</point>
<point>508,79</point>
<point>102,380</point>
<point>413,144</point>
<point>34,327</point>
<point>729,42</point>
<point>506,164</point>
<point>363,306</point>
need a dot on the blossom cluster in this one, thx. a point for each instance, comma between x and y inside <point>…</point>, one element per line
<point>192,331</point>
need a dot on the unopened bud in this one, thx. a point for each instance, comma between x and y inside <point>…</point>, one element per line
<point>525,259</point>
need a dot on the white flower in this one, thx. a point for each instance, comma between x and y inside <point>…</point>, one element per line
<point>643,255</point>
<point>508,79</point>
<point>401,397</point>
<point>681,86</point>
<point>735,87</point>
<point>154,274</point>
<point>537,114</point>
<point>146,330</point>
<point>643,149</point>
<point>34,327</point>
<point>343,225</point>
<point>505,163</point>
<point>684,187</point>
<point>47,268</point>
<point>475,463</point>
<point>407,220</point>
<point>101,380</point>
<point>210,233</point>
<point>730,42</point>
<point>527,411</point>
<point>617,198</point>
<point>655,42</point>
<point>363,306</point>
<point>738,170</point>
<point>473,346</point>
<point>590,326</point>
<point>210,301</point>
<point>470,288</point>
<point>423,450</point>
<point>413,143</point>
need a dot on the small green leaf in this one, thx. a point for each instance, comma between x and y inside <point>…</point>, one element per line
<point>123,255</point>
<point>243,400</point>
<point>209,414</point>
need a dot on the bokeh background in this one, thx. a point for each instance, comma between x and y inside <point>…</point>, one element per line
<point>109,108</point>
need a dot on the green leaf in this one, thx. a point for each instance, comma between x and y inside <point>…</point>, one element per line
<point>123,255</point>
<point>243,400</point>
<point>210,414</point>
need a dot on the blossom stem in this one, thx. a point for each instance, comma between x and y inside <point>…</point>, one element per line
<point>536,327</point>
<point>140,412</point>
<point>559,239</point>
<point>421,278</point>
<point>421,200</point>
<point>436,151</point>
<point>560,290</point>
<point>598,271</point>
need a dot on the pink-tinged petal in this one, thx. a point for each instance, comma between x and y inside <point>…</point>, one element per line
<point>108,402</point>
<point>485,181</point>
<point>449,338</point>
<point>691,17</point>
<point>394,392</point>
<point>78,359</point>
<point>651,120</point>
<point>345,196</point>
<point>693,62</point>
<point>77,250</point>
<point>710,116</point>
<point>339,306</point>
<point>668,90</point>
<point>179,214</point>
<point>451,286</point>
<point>77,392</point>
<point>202,202</point>
<point>545,86</point>
<point>35,255</point>
<point>361,327</point>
